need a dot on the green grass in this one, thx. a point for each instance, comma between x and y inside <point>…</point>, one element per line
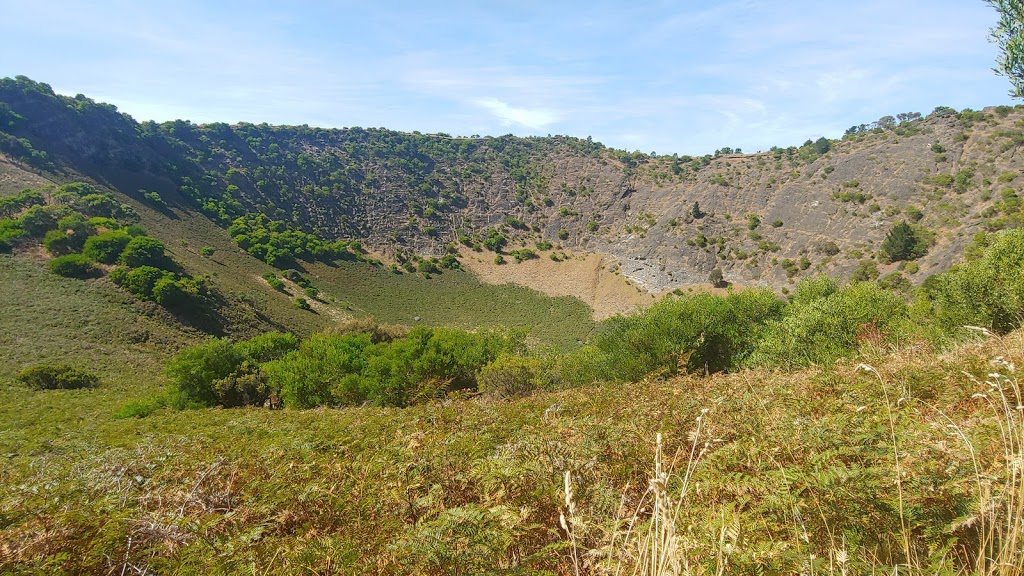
<point>781,483</point>
<point>454,298</point>
<point>91,324</point>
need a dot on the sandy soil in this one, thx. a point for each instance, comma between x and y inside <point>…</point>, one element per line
<point>585,276</point>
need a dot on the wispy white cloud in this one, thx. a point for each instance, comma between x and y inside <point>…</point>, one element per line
<point>533,118</point>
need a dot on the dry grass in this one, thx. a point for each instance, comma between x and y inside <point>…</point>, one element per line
<point>784,473</point>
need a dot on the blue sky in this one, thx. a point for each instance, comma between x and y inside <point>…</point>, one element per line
<point>682,76</point>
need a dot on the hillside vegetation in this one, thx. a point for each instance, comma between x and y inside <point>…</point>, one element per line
<point>767,218</point>
<point>908,459</point>
<point>846,400</point>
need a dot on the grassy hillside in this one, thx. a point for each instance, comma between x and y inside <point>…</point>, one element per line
<point>765,481</point>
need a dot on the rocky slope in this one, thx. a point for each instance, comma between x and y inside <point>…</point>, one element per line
<point>764,219</point>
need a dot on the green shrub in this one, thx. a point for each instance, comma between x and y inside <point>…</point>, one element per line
<point>246,386</point>
<point>106,247</point>
<point>70,235</point>
<point>206,251</point>
<point>823,325</point>
<point>866,271</point>
<point>351,369</point>
<point>905,242</point>
<point>274,282</point>
<point>987,291</point>
<point>38,220</point>
<point>73,266</point>
<point>268,346</point>
<point>512,375</point>
<point>701,333</point>
<point>301,303</point>
<point>168,292</point>
<point>140,281</point>
<point>57,377</point>
<point>144,251</point>
<point>194,371</point>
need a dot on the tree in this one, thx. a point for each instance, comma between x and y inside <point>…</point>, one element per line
<point>716,278</point>
<point>696,211</point>
<point>903,243</point>
<point>1008,35</point>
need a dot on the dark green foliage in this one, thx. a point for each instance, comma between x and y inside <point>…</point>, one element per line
<point>866,271</point>
<point>107,247</point>
<point>225,373</point>
<point>716,278</point>
<point>73,266</point>
<point>11,205</point>
<point>194,370</point>
<point>351,368</point>
<point>301,303</point>
<point>59,242</point>
<point>274,281</point>
<point>904,242</point>
<point>38,220</point>
<point>563,234</point>
<point>153,198</point>
<point>144,251</point>
<point>11,234</point>
<point>140,281</point>
<point>696,212</point>
<point>494,240</point>
<point>206,251</point>
<point>57,377</point>
<point>279,245</point>
<point>523,254</point>
<point>701,333</point>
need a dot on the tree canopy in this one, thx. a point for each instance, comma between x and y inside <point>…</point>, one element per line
<point>1008,35</point>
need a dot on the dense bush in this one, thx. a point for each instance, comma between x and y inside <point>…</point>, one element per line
<point>106,247</point>
<point>69,236</point>
<point>987,291</point>
<point>57,377</point>
<point>226,373</point>
<point>351,368</point>
<point>144,251</point>
<point>139,281</point>
<point>823,324</point>
<point>512,375</point>
<point>194,370</point>
<point>700,333</point>
<point>279,245</point>
<point>73,266</point>
<point>905,242</point>
<point>38,220</point>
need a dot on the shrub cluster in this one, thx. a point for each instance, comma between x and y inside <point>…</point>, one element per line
<point>274,242</point>
<point>57,377</point>
<point>338,369</point>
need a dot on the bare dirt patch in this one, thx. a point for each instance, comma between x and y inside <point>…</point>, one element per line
<point>585,276</point>
<point>14,179</point>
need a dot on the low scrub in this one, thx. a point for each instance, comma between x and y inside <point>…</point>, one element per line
<point>57,377</point>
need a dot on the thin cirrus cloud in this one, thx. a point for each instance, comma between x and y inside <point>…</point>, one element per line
<point>532,118</point>
<point>650,75</point>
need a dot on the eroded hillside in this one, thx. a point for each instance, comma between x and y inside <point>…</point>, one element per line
<point>663,222</point>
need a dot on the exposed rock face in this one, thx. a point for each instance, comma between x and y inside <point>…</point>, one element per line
<point>764,219</point>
